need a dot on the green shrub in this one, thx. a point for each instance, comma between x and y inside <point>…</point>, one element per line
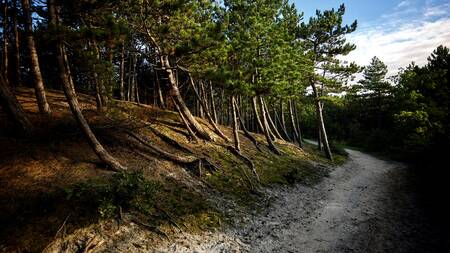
<point>128,190</point>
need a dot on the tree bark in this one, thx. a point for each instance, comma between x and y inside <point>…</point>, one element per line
<point>213,105</point>
<point>299,130</point>
<point>237,143</point>
<point>321,123</point>
<point>185,122</point>
<point>297,137</point>
<point>257,116</point>
<point>175,93</point>
<point>283,121</point>
<point>132,80</point>
<point>44,107</point>
<point>73,101</point>
<point>271,123</point>
<point>12,108</point>
<point>246,132</point>
<point>265,128</point>
<point>208,114</point>
<point>17,75</point>
<point>5,55</point>
<point>160,92</point>
<point>98,98</point>
<point>130,68</point>
<point>122,72</point>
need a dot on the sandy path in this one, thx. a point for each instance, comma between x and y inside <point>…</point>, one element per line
<point>366,205</point>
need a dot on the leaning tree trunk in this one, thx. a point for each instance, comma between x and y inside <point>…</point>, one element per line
<point>246,132</point>
<point>320,121</point>
<point>162,104</point>
<point>237,143</point>
<point>213,104</point>
<point>255,111</point>
<point>271,123</point>
<point>18,78</point>
<point>175,93</point>
<point>283,122</point>
<point>12,108</point>
<point>44,107</point>
<point>207,112</point>
<point>73,101</point>
<point>265,128</point>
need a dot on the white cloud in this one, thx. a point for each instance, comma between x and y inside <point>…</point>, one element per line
<point>401,41</point>
<point>403,4</point>
<point>437,11</point>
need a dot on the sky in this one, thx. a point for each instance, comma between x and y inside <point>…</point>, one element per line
<point>396,31</point>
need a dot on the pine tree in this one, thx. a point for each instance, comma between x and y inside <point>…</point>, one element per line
<point>375,86</point>
<point>324,37</point>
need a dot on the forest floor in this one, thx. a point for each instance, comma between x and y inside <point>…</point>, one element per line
<point>56,196</point>
<point>303,204</point>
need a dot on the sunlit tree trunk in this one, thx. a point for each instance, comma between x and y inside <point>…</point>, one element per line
<point>175,93</point>
<point>323,133</point>
<point>257,116</point>
<point>237,143</point>
<point>44,107</point>
<point>265,128</point>
<point>72,98</point>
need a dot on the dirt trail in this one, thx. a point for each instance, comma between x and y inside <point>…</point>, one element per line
<point>366,205</point>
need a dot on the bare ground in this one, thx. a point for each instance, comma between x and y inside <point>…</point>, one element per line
<point>366,205</point>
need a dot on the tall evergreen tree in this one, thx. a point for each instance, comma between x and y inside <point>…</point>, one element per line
<point>324,37</point>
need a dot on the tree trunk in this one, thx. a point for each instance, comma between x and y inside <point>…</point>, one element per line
<point>122,72</point>
<point>44,107</point>
<point>246,132</point>
<point>265,128</point>
<point>283,121</point>
<point>320,121</point>
<point>175,93</point>
<point>160,92</point>
<point>135,88</point>
<point>98,98</point>
<point>17,76</point>
<point>186,124</point>
<point>237,143</point>
<point>299,130</point>
<point>297,137</point>
<point>130,68</point>
<point>255,111</point>
<point>12,108</point>
<point>73,101</point>
<point>271,123</point>
<point>213,105</point>
<point>100,87</point>
<point>5,55</point>
<point>132,79</point>
<point>208,115</point>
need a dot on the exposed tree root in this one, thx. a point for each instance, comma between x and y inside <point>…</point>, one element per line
<point>169,140</point>
<point>246,159</point>
<point>190,161</point>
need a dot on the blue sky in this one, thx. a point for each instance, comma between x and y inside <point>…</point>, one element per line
<point>397,31</point>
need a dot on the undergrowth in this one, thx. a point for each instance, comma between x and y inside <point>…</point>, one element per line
<point>128,190</point>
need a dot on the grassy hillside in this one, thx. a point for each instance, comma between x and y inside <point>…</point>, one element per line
<point>54,190</point>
